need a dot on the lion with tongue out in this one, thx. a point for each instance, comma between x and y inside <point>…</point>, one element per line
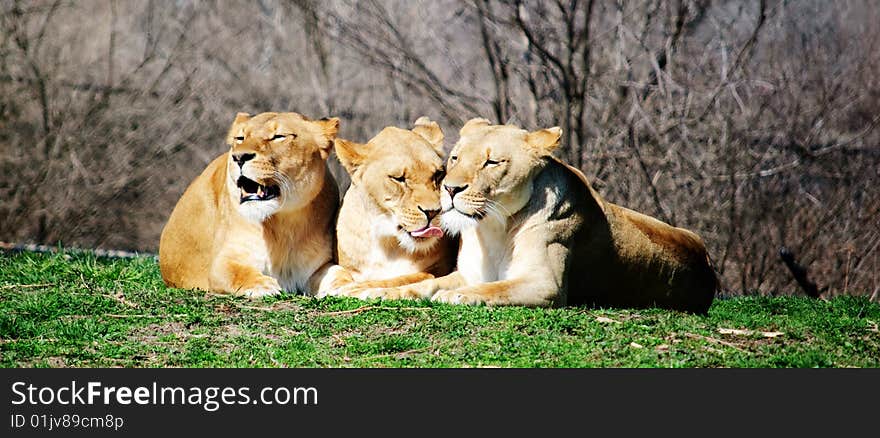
<point>259,219</point>
<point>388,232</point>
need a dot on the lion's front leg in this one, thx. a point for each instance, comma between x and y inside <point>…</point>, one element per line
<point>415,291</point>
<point>242,280</point>
<point>329,278</point>
<point>515,292</point>
<point>356,289</point>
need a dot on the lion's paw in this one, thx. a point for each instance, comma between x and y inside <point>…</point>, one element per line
<point>390,293</point>
<point>335,292</point>
<point>264,287</point>
<point>455,297</point>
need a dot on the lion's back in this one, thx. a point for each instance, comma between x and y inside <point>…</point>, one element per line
<point>186,243</point>
<point>623,258</point>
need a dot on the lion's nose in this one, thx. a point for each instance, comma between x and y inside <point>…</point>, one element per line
<point>430,214</point>
<point>240,159</point>
<point>454,189</point>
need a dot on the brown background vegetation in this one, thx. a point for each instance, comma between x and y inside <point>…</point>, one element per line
<point>751,122</point>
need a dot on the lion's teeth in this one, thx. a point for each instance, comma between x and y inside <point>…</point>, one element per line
<point>260,191</point>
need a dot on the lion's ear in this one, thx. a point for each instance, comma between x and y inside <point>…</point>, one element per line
<point>241,118</point>
<point>430,131</point>
<point>350,154</point>
<point>473,124</point>
<point>543,142</point>
<point>330,126</point>
<point>233,130</point>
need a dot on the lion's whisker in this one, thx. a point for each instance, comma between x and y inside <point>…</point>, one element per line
<point>495,213</point>
<point>283,182</point>
<point>498,205</point>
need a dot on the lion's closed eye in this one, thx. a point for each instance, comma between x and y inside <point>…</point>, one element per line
<point>279,137</point>
<point>493,163</point>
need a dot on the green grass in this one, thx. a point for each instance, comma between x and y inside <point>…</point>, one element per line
<point>74,310</point>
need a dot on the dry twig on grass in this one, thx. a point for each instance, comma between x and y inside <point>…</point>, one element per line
<point>120,298</point>
<point>26,286</point>
<point>366,308</point>
<point>715,341</point>
<point>116,315</point>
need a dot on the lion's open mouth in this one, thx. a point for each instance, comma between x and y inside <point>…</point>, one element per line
<point>254,191</point>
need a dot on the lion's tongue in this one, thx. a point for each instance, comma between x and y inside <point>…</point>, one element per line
<point>427,232</point>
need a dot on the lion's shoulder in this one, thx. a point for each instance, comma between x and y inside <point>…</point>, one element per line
<point>560,191</point>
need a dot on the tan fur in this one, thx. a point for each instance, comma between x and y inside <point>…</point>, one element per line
<point>214,241</point>
<point>378,212</point>
<point>534,233</point>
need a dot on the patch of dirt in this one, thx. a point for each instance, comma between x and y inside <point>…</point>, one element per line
<point>743,341</point>
<point>402,329</point>
<point>231,331</point>
<point>278,306</point>
<point>225,335</point>
<point>151,333</point>
<point>234,331</point>
<point>226,309</point>
<point>52,361</point>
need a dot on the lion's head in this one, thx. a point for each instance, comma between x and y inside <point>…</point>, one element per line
<point>399,171</point>
<point>277,161</point>
<point>490,171</point>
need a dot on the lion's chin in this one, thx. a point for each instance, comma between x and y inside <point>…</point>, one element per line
<point>415,244</point>
<point>259,211</point>
<point>454,221</point>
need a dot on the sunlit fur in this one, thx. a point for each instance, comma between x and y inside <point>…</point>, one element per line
<point>214,241</point>
<point>394,180</point>
<point>534,233</point>
<point>497,174</point>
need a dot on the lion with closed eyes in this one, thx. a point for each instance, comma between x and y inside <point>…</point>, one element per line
<point>388,231</point>
<point>259,219</point>
<point>534,233</point>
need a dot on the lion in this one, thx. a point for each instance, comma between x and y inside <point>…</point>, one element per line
<point>387,232</point>
<point>534,233</point>
<point>259,219</point>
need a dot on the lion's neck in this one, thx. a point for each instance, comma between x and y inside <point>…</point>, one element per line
<point>296,224</point>
<point>484,255</point>
<point>287,225</point>
<point>299,241</point>
<point>514,201</point>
